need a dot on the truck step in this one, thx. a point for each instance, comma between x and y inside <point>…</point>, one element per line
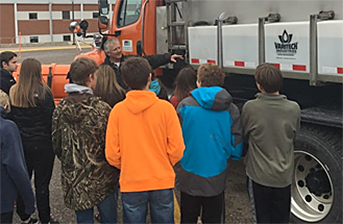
<point>179,23</point>
<point>177,47</point>
<point>174,1</point>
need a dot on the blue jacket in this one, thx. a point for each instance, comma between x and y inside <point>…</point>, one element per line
<point>14,176</point>
<point>212,131</point>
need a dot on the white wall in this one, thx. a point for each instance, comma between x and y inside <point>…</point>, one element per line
<point>45,38</point>
<point>51,1</point>
<point>45,15</point>
<point>54,1</point>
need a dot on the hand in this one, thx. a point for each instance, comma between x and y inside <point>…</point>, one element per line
<point>174,57</point>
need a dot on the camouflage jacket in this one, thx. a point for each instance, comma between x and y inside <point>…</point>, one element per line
<point>78,135</point>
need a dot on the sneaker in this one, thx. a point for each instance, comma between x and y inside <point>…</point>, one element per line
<point>97,216</point>
<point>53,222</point>
<point>31,221</point>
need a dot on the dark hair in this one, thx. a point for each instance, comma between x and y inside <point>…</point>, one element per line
<point>135,72</point>
<point>6,56</point>
<point>80,69</point>
<point>163,95</point>
<point>269,77</point>
<point>210,75</point>
<point>107,87</point>
<point>185,82</point>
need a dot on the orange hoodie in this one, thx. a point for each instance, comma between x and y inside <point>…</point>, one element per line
<point>144,141</point>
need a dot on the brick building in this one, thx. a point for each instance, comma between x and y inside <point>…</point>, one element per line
<point>41,21</point>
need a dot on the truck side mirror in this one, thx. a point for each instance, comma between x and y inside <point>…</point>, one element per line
<point>84,25</point>
<point>74,27</point>
<point>103,7</point>
<point>102,22</point>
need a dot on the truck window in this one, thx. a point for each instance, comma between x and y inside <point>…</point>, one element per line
<point>129,12</point>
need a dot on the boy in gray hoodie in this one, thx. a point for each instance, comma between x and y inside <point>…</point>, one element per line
<point>271,122</point>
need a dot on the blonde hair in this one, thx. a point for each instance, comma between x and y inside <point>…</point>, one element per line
<point>30,85</point>
<point>5,100</point>
<point>107,87</point>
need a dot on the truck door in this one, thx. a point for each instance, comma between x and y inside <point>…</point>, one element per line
<point>127,22</point>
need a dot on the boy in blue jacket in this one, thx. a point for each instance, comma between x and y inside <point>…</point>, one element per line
<point>212,132</point>
<point>14,176</point>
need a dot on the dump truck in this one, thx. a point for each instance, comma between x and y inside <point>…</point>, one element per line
<point>304,39</point>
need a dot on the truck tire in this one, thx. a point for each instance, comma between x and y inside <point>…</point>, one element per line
<point>317,180</point>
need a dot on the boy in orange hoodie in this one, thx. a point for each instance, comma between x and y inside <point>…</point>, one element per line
<point>144,141</point>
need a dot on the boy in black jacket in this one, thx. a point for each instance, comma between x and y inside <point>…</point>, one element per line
<point>8,65</point>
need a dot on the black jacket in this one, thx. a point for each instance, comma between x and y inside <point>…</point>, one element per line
<point>35,122</point>
<point>155,61</point>
<point>7,80</point>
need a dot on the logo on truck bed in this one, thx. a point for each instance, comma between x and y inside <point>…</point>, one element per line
<point>286,47</point>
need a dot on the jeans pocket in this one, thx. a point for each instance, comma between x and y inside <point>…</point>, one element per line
<point>134,199</point>
<point>164,196</point>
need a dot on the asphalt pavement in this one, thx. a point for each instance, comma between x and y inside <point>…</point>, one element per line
<point>59,53</point>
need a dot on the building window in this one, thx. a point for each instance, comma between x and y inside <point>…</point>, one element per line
<point>34,39</point>
<point>66,38</point>
<point>65,14</point>
<point>95,15</point>
<point>33,15</point>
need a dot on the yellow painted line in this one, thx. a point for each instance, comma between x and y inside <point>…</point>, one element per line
<point>177,213</point>
<point>46,48</point>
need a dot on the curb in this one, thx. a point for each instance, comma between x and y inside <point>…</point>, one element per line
<point>64,43</point>
<point>60,43</point>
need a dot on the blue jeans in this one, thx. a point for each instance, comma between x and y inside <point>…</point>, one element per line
<point>135,206</point>
<point>107,209</point>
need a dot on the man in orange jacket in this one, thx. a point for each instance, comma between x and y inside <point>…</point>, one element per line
<point>144,141</point>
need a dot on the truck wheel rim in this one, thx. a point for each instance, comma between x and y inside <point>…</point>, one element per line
<point>306,205</point>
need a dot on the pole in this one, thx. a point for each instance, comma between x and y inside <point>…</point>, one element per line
<point>313,50</point>
<point>222,17</point>
<point>220,43</point>
<point>261,39</point>
<point>50,22</point>
<point>16,22</point>
<point>72,9</point>
<point>19,41</point>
